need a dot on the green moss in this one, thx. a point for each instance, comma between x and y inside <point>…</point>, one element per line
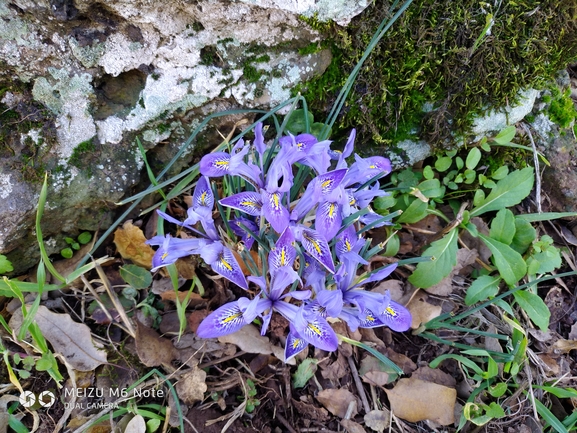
<point>251,74</point>
<point>562,110</point>
<point>437,53</point>
<point>80,152</point>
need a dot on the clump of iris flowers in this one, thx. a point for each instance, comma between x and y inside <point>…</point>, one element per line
<point>310,241</point>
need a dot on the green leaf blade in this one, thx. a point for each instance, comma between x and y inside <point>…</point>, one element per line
<point>509,262</point>
<point>444,251</point>
<point>503,226</point>
<point>508,192</point>
<point>535,308</point>
<point>135,276</point>
<point>482,288</point>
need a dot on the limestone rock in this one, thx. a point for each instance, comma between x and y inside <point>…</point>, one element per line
<point>81,79</point>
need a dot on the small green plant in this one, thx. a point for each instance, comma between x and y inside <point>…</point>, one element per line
<point>74,244</point>
<point>251,401</point>
<point>5,265</point>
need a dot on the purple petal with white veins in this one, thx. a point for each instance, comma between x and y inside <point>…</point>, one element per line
<point>320,334</point>
<point>177,222</point>
<point>226,265</point>
<point>375,219</point>
<point>367,319</point>
<point>274,211</point>
<point>294,345</point>
<point>347,150</point>
<point>248,202</point>
<point>225,320</point>
<point>315,244</point>
<point>215,164</point>
<point>236,225</point>
<point>281,279</point>
<point>328,219</point>
<point>364,197</point>
<point>379,275</point>
<point>203,196</point>
<point>283,253</point>
<point>171,249</point>
<point>331,301</point>
<point>396,317</point>
<point>328,182</point>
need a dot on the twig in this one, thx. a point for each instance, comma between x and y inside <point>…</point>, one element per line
<point>536,162</point>
<point>285,422</point>
<point>359,384</point>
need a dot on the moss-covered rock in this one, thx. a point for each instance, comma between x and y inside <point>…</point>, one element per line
<point>444,62</point>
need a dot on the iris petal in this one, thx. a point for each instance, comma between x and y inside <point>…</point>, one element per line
<point>396,317</point>
<point>328,219</point>
<point>215,164</point>
<point>248,202</point>
<point>274,211</point>
<point>294,345</point>
<point>227,266</point>
<point>225,320</point>
<point>316,245</point>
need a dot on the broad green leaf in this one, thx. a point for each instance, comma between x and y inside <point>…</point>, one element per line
<point>503,226</point>
<point>500,173</point>
<point>393,246</point>
<point>506,135</point>
<point>431,188</point>
<point>135,276</point>
<point>384,202</point>
<point>84,237</point>
<point>5,265</point>
<point>548,260</point>
<point>428,173</point>
<point>507,192</point>
<point>509,262</point>
<point>443,163</point>
<point>498,390</point>
<point>317,128</point>
<point>546,216</point>
<point>444,253</point>
<point>305,371</point>
<point>470,176</point>
<point>479,197</point>
<point>296,123</point>
<point>535,308</point>
<point>416,211</point>
<point>525,234</point>
<point>495,411</point>
<point>473,158</point>
<point>482,288</point>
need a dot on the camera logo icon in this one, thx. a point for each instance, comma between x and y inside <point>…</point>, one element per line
<point>44,399</point>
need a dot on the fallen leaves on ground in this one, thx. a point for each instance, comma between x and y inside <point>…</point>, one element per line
<point>421,310</point>
<point>248,338</point>
<point>378,420</point>
<point>71,339</point>
<point>337,401</point>
<point>152,349</point>
<point>192,386</point>
<point>417,400</point>
<point>130,242</point>
<point>136,425</point>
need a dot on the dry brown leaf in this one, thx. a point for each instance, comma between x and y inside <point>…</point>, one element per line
<point>416,400</point>
<point>192,386</point>
<point>352,427</point>
<point>378,420</point>
<point>465,257</point>
<point>310,411</point>
<point>403,361</point>
<point>152,349</point>
<point>136,425</point>
<point>421,310</point>
<point>434,375</point>
<point>130,242</point>
<point>337,401</point>
<point>71,339</point>
<point>373,371</point>
<point>248,338</point>
<point>564,346</point>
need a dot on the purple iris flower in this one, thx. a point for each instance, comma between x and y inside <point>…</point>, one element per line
<point>316,245</point>
<point>364,169</point>
<point>236,226</point>
<point>372,309</point>
<point>171,249</point>
<point>220,163</point>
